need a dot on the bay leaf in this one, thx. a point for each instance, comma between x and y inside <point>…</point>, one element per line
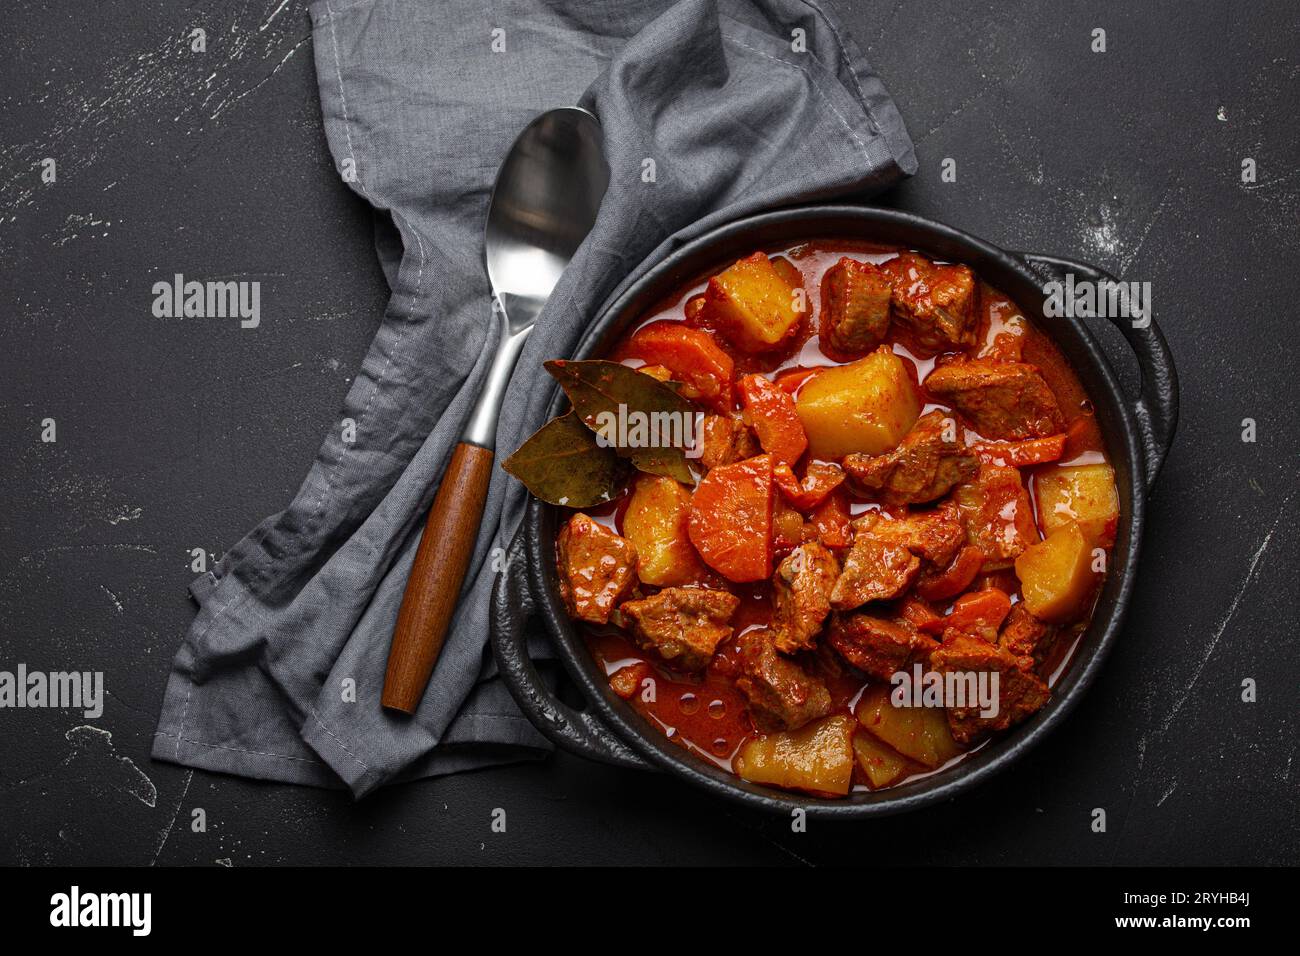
<point>562,464</point>
<point>597,387</point>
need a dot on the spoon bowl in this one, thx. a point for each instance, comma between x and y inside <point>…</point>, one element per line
<point>544,203</point>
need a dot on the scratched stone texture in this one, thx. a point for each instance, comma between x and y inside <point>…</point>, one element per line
<point>178,434</point>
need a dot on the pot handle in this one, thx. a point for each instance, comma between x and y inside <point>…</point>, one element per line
<point>1156,407</point>
<point>576,731</point>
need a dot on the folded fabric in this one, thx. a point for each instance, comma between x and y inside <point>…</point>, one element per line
<point>710,109</point>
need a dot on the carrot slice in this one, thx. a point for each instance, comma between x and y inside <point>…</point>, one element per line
<point>792,378</point>
<point>979,613</point>
<point>833,521</point>
<point>731,519</point>
<point>953,579</point>
<point>771,413</point>
<point>787,481</point>
<point>820,479</point>
<point>1018,454</point>
<point>692,355</point>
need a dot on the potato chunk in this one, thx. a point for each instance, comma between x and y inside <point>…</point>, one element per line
<point>866,406</point>
<point>1056,576</point>
<point>882,765</point>
<point>1084,494</point>
<point>921,733</point>
<point>657,522</point>
<point>817,758</point>
<point>754,305</point>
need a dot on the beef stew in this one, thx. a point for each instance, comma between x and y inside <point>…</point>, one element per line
<point>897,474</point>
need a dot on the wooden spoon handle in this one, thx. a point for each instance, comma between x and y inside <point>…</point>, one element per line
<point>436,576</point>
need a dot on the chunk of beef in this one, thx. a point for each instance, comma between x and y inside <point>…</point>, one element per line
<point>855,306</point>
<point>726,440</point>
<point>1025,635</point>
<point>684,626</point>
<point>936,301</point>
<point>924,466</point>
<point>934,535</point>
<point>825,662</point>
<point>887,553</point>
<point>876,569</point>
<point>801,596</point>
<point>781,695</point>
<point>998,515</point>
<point>1002,400</point>
<point>876,646</point>
<point>1020,691</point>
<point>596,569</point>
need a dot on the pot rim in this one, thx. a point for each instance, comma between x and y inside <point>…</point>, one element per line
<point>1086,657</point>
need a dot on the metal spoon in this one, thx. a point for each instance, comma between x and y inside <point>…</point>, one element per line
<point>544,203</point>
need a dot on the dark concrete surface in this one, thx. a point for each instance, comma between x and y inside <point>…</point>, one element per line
<point>174,435</point>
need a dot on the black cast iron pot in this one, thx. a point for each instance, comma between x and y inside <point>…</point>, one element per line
<point>1137,432</point>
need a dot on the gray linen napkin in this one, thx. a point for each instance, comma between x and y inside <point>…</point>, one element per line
<point>741,104</point>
